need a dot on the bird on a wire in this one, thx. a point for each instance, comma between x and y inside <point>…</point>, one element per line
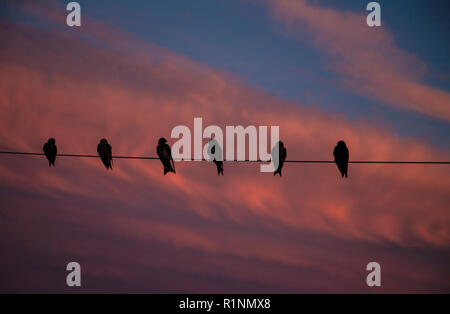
<point>165,155</point>
<point>279,154</point>
<point>341,156</point>
<point>50,151</point>
<point>215,154</point>
<point>105,153</point>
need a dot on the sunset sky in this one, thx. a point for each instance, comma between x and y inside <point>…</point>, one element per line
<point>136,69</point>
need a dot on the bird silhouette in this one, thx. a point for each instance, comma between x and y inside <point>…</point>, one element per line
<point>165,155</point>
<point>215,154</point>
<point>341,156</point>
<point>279,155</point>
<point>50,151</point>
<point>105,152</point>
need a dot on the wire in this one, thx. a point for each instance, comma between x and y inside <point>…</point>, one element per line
<point>293,161</point>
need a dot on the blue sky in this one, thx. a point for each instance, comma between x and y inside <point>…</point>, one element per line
<point>242,38</point>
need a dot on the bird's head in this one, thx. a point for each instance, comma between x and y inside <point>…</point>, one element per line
<point>51,141</point>
<point>103,141</point>
<point>341,144</point>
<point>162,141</point>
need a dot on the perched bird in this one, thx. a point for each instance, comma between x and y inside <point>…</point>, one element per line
<point>216,155</point>
<point>341,156</point>
<point>50,151</point>
<point>105,152</point>
<point>165,155</point>
<point>279,154</point>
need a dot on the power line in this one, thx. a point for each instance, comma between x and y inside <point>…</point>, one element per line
<point>292,161</point>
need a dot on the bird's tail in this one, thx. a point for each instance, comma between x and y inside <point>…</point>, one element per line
<point>219,165</point>
<point>168,168</point>
<point>173,165</point>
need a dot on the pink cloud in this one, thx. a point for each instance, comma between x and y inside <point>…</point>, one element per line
<point>53,83</point>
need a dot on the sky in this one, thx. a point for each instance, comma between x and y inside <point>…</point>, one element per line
<point>134,70</point>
